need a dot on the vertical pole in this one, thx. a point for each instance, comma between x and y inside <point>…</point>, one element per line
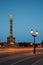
<point>34,46</point>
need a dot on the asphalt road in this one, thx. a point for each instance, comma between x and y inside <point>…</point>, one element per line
<point>20,57</point>
<point>29,60</point>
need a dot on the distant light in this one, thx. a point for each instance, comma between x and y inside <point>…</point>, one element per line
<point>31,43</point>
<point>0,45</point>
<point>38,46</point>
<point>12,43</point>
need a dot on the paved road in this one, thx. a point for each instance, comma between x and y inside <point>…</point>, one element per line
<point>21,57</point>
<point>39,62</point>
<point>29,60</point>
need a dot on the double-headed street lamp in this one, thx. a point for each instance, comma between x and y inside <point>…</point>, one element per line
<point>34,34</point>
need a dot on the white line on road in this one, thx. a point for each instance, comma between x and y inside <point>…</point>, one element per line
<point>39,62</point>
<point>22,60</point>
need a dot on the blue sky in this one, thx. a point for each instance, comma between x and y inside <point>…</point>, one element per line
<point>27,14</point>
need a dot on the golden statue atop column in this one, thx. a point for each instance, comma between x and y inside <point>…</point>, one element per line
<point>11,39</point>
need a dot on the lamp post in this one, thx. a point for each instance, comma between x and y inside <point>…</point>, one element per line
<point>34,34</point>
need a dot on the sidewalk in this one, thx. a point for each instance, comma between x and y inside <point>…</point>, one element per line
<point>39,62</point>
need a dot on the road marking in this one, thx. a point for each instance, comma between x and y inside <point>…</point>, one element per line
<point>23,60</point>
<point>38,62</point>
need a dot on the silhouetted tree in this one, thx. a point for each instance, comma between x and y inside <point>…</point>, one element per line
<point>42,42</point>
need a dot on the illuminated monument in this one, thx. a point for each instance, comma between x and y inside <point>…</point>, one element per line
<point>11,39</point>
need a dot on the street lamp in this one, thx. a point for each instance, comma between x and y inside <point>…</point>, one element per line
<point>34,34</point>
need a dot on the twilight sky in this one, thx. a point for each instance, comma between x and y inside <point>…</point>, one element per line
<point>27,14</point>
